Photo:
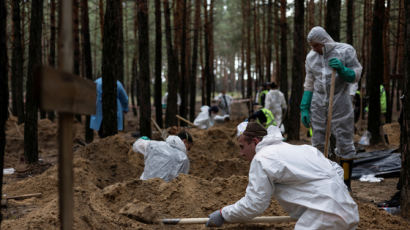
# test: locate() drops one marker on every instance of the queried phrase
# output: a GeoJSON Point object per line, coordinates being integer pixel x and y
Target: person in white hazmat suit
{"type": "Point", "coordinates": [325, 56]}
{"type": "Point", "coordinates": [305, 183]}
{"type": "Point", "coordinates": [205, 118]}
{"type": "Point", "coordinates": [224, 103]}
{"type": "Point", "coordinates": [164, 159]}
{"type": "Point", "coordinates": [276, 103]}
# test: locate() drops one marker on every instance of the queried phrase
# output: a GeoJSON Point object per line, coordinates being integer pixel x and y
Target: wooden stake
{"type": "Point", "coordinates": [329, 113]}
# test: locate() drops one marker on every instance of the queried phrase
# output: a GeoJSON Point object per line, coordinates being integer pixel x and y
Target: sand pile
{"type": "Point", "coordinates": [109, 195]}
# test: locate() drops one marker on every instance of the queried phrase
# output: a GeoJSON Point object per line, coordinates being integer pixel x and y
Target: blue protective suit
{"type": "Point", "coordinates": [122, 106]}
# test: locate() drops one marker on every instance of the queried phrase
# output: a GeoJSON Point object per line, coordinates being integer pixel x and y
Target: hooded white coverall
{"type": "Point", "coordinates": [163, 159]}
{"type": "Point", "coordinates": [224, 103]}
{"type": "Point", "coordinates": [305, 183]}
{"type": "Point", "coordinates": [275, 102]}
{"type": "Point", "coordinates": [204, 120]}
{"type": "Point", "coordinates": [318, 79]}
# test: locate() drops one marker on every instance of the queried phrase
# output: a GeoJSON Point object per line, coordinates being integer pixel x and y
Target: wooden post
{"type": "Point", "coordinates": [329, 113]}
{"type": "Point", "coordinates": [68, 94]}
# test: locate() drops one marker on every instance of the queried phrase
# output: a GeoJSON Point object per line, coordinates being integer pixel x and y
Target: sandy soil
{"type": "Point", "coordinates": [109, 195]}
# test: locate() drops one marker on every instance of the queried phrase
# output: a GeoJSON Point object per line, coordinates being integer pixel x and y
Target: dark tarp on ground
{"type": "Point", "coordinates": [380, 163]}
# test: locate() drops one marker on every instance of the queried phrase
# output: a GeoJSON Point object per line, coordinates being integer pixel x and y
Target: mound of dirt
{"type": "Point", "coordinates": [109, 195]}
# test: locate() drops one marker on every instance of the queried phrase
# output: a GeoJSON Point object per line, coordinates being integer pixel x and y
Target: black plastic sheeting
{"type": "Point", "coordinates": [385, 163]}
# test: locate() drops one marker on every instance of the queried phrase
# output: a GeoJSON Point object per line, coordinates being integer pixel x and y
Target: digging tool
{"type": "Point", "coordinates": [261, 219]}
{"type": "Point", "coordinates": [185, 120]}
{"type": "Point", "coordinates": [163, 132]}
{"type": "Point", "coordinates": [68, 94]}
{"type": "Point", "coordinates": [19, 197]}
{"type": "Point", "coordinates": [329, 113]}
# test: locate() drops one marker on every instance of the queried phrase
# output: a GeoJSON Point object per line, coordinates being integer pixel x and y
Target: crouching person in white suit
{"type": "Point", "coordinates": [164, 159]}
{"type": "Point", "coordinates": [305, 183]}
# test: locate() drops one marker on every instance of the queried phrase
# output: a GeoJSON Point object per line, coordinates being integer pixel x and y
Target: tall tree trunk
{"type": "Point", "coordinates": [17, 65]}
{"type": "Point", "coordinates": [101, 15]}
{"type": "Point", "coordinates": [332, 23]}
{"type": "Point", "coordinates": [158, 64]}
{"type": "Point", "coordinates": [256, 35]}
{"type": "Point", "coordinates": [311, 14]}
{"type": "Point", "coordinates": [276, 40]}
{"type": "Point", "coordinates": [76, 42]}
{"type": "Point", "coordinates": [171, 112]}
{"type": "Point", "coordinates": [4, 89]}
{"type": "Point", "coordinates": [30, 125]}
{"type": "Point", "coordinates": [269, 25]}
{"type": "Point", "coordinates": [52, 55]}
{"type": "Point", "coordinates": [297, 71]}
{"type": "Point", "coordinates": [194, 60]}
{"type": "Point", "coordinates": [120, 42]}
{"type": "Point", "coordinates": [111, 66]}
{"type": "Point", "coordinates": [183, 78]}
{"type": "Point", "coordinates": [85, 32]}
{"type": "Point", "coordinates": [248, 51]}
{"type": "Point", "coordinates": [320, 12]}
{"type": "Point", "coordinates": [376, 72]}
{"type": "Point", "coordinates": [207, 70]}
{"type": "Point", "coordinates": [144, 76]}
{"type": "Point", "coordinates": [350, 20]}
{"type": "Point", "coordinates": [211, 50]}
{"type": "Point", "coordinates": [405, 127]}
{"type": "Point", "coordinates": [386, 53]}
{"type": "Point", "coordinates": [243, 41]}
{"type": "Point", "coordinates": [284, 51]}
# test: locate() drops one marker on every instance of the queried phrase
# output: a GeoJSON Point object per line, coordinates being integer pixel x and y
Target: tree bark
{"type": "Point", "coordinates": [171, 112]}
{"type": "Point", "coordinates": [332, 23]}
{"type": "Point", "coordinates": [297, 71]}
{"type": "Point", "coordinates": [158, 64]}
{"type": "Point", "coordinates": [376, 72]}
{"type": "Point", "coordinates": [144, 76]}
{"type": "Point", "coordinates": [110, 66]}
{"type": "Point", "coordinates": [30, 126]}
{"type": "Point", "coordinates": [52, 54]}
{"type": "Point", "coordinates": [76, 42]}
{"type": "Point", "coordinates": [4, 90]}
{"type": "Point", "coordinates": [256, 35]}
{"type": "Point", "coordinates": [386, 53]}
{"type": "Point", "coordinates": [248, 51]}
{"type": "Point", "coordinates": [183, 79]}
{"type": "Point", "coordinates": [405, 126]}
{"type": "Point", "coordinates": [17, 65]}
{"type": "Point", "coordinates": [207, 70]}
{"type": "Point", "coordinates": [88, 66]}
{"type": "Point", "coordinates": [101, 15]}
{"type": "Point", "coordinates": [276, 41]}
{"type": "Point", "coordinates": [350, 21]}
{"type": "Point", "coordinates": [269, 26]}
{"type": "Point", "coordinates": [194, 60]}
{"type": "Point", "coordinates": [284, 51]}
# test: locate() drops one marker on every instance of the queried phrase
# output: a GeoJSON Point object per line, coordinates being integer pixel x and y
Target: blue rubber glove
{"type": "Point", "coordinates": [215, 219]}
{"type": "Point", "coordinates": [347, 74]}
{"type": "Point", "coordinates": [145, 138]}
{"type": "Point", "coordinates": [305, 107]}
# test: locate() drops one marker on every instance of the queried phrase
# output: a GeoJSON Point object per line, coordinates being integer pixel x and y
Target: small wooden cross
{"type": "Point", "coordinates": [67, 94]}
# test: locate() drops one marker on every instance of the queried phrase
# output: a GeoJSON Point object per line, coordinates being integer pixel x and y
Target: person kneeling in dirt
{"type": "Point", "coordinates": [205, 118]}
{"type": "Point", "coordinates": [305, 183]}
{"type": "Point", "coordinates": [164, 159]}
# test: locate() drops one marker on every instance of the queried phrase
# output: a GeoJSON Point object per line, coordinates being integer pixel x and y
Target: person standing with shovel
{"type": "Point", "coordinates": [305, 183]}
{"type": "Point", "coordinates": [325, 57]}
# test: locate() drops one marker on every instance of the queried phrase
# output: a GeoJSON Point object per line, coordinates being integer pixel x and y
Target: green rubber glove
{"type": "Point", "coordinates": [305, 107]}
{"type": "Point", "coordinates": [145, 138]}
{"type": "Point", "coordinates": [347, 74]}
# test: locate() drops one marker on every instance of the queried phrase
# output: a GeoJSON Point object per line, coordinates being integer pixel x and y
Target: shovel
{"type": "Point", "coordinates": [261, 219]}
{"type": "Point", "coordinates": [329, 113]}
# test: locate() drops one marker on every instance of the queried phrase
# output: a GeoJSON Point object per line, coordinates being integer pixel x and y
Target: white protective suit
{"type": "Point", "coordinates": [204, 120]}
{"type": "Point", "coordinates": [305, 183]}
{"type": "Point", "coordinates": [164, 160]}
{"type": "Point", "coordinates": [276, 103]}
{"type": "Point", "coordinates": [224, 103]}
{"type": "Point", "coordinates": [318, 79]}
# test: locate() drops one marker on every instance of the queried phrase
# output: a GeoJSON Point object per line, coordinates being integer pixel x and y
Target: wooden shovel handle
{"type": "Point", "coordinates": [261, 219]}
{"type": "Point", "coordinates": [329, 113]}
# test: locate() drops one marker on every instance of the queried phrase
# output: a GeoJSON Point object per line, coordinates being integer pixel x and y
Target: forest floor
{"type": "Point", "coordinates": [109, 195]}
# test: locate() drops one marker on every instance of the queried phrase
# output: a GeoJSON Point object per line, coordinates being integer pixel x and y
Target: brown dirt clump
{"type": "Point", "coordinates": [109, 195]}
